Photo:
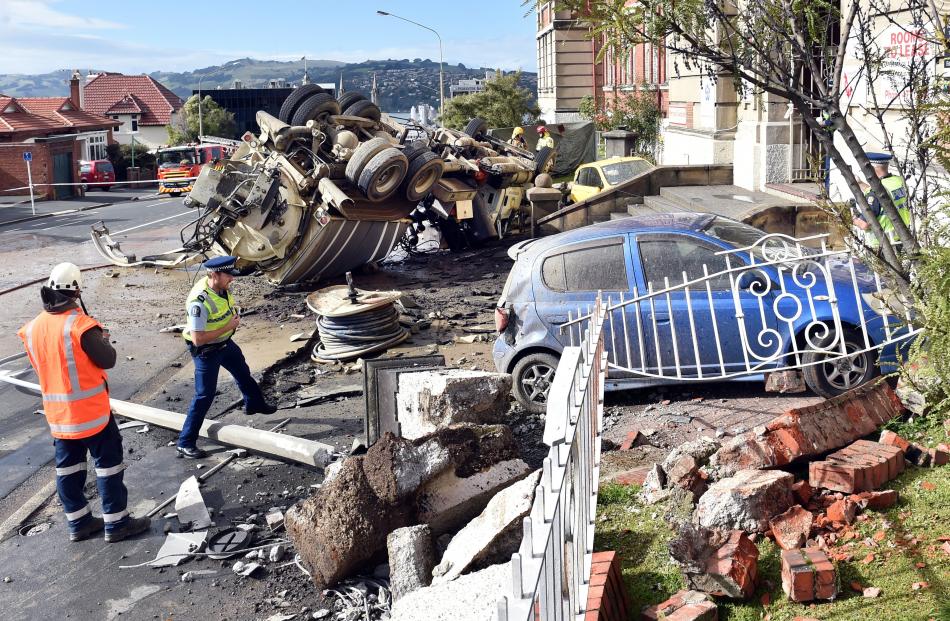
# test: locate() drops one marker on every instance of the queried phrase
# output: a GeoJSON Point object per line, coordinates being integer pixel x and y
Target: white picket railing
{"type": "Point", "coordinates": [551, 570]}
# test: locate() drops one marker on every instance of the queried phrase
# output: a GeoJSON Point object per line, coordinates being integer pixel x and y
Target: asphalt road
{"type": "Point", "coordinates": [27, 252]}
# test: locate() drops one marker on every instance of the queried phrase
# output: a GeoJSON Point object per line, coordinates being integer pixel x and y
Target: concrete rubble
{"type": "Point", "coordinates": [746, 501]}
{"type": "Point", "coordinates": [494, 535]}
{"type": "Point", "coordinates": [723, 563]}
{"type": "Point", "coordinates": [471, 597]}
{"type": "Point", "coordinates": [429, 400]}
{"type": "Point", "coordinates": [684, 467]}
{"type": "Point", "coordinates": [683, 606]}
{"type": "Point", "coordinates": [411, 559]}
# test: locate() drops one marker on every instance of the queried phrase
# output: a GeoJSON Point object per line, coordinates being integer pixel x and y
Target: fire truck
{"type": "Point", "coordinates": [179, 166]}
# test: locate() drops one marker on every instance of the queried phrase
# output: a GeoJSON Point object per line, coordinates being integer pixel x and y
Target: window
{"type": "Point", "coordinates": [590, 177]}
{"type": "Point", "coordinates": [624, 171]}
{"type": "Point", "coordinates": [597, 268]}
{"type": "Point", "coordinates": [675, 254]}
{"type": "Point", "coordinates": [135, 125]}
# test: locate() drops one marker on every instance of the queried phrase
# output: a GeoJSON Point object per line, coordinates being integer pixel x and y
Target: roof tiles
{"type": "Point", "coordinates": [106, 91]}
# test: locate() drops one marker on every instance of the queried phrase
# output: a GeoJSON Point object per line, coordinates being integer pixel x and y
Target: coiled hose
{"type": "Point", "coordinates": [348, 337]}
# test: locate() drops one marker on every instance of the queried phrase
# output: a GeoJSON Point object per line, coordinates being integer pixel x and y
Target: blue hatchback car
{"type": "Point", "coordinates": [696, 298]}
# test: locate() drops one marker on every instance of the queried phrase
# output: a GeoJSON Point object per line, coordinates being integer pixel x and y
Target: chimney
{"type": "Point", "coordinates": [74, 93]}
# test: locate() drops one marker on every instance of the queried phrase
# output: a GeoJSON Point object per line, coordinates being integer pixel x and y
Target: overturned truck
{"type": "Point", "coordinates": [330, 185]}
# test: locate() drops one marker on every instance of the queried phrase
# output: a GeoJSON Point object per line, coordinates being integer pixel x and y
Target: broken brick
{"type": "Point", "coordinates": [884, 499]}
{"type": "Point", "coordinates": [808, 575]}
{"type": "Point", "coordinates": [683, 606]}
{"type": "Point", "coordinates": [802, 491]}
{"type": "Point", "coordinates": [634, 476]}
{"type": "Point", "coordinates": [844, 511]}
{"type": "Point", "coordinates": [938, 457]}
{"type": "Point", "coordinates": [630, 440]}
{"type": "Point", "coordinates": [734, 567]}
{"type": "Point", "coordinates": [892, 439]}
{"type": "Point", "coordinates": [791, 529]}
{"type": "Point", "coordinates": [860, 466]}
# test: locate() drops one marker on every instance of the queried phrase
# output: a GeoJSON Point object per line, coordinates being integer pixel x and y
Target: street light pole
{"type": "Point", "coordinates": [441, 66]}
{"type": "Point", "coordinates": [201, 129]}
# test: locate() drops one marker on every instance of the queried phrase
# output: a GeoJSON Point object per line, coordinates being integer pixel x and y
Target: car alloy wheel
{"type": "Point", "coordinates": [536, 382]}
{"type": "Point", "coordinates": [846, 373]}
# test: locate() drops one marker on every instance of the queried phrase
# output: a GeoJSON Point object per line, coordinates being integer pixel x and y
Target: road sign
{"type": "Point", "coordinates": [27, 156]}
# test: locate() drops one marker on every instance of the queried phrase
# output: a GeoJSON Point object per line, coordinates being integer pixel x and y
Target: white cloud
{"type": "Point", "coordinates": [38, 14]}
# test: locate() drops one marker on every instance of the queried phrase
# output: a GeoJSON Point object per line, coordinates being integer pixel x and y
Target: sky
{"type": "Point", "coordinates": [38, 36]}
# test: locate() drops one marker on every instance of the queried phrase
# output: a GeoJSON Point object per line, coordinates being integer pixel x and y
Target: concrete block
{"type": "Point", "coordinates": [449, 501]}
{"type": "Point", "coordinates": [495, 534]}
{"type": "Point", "coordinates": [746, 501]}
{"type": "Point", "coordinates": [411, 559]}
{"type": "Point", "coordinates": [430, 400]}
{"type": "Point", "coordinates": [472, 597]}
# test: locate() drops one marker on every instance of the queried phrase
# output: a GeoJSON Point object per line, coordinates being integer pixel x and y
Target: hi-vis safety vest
{"type": "Point", "coordinates": [75, 397]}
{"type": "Point", "coordinates": [894, 184]}
{"type": "Point", "coordinates": [545, 141]}
{"type": "Point", "coordinates": [220, 309]}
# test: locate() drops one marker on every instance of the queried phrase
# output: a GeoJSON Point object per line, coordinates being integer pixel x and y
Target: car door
{"type": "Point", "coordinates": [568, 278]}
{"type": "Point", "coordinates": [722, 325]}
{"type": "Point", "coordinates": [587, 184]}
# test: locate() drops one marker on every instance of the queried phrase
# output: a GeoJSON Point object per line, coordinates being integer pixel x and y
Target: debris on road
{"type": "Point", "coordinates": [190, 506]}
{"type": "Point", "coordinates": [178, 548]}
{"type": "Point", "coordinates": [411, 559]}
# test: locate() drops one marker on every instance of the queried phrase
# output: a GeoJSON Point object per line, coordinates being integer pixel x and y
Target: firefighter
{"type": "Point", "coordinates": [896, 188]}
{"type": "Point", "coordinates": [212, 320]}
{"type": "Point", "coordinates": [517, 138]}
{"type": "Point", "coordinates": [545, 139]}
{"type": "Point", "coordinates": [70, 352]}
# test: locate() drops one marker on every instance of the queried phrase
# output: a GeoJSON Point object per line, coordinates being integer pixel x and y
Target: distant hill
{"type": "Point", "coordinates": [400, 83]}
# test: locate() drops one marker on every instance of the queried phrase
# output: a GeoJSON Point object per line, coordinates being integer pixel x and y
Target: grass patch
{"type": "Point", "coordinates": [908, 553]}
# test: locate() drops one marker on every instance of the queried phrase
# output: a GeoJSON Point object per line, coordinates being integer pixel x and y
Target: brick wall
{"type": "Point", "coordinates": [13, 168]}
{"type": "Point", "coordinates": [607, 598]}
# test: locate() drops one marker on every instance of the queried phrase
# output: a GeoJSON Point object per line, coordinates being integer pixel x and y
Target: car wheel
{"type": "Point", "coordinates": [828, 375]}
{"type": "Point", "coordinates": [532, 378]}
{"type": "Point", "coordinates": [294, 100]}
{"type": "Point", "coordinates": [84, 186]}
{"type": "Point", "coordinates": [425, 169]}
{"type": "Point", "coordinates": [317, 107]}
{"type": "Point", "coordinates": [349, 98]}
{"type": "Point", "coordinates": [362, 155]}
{"type": "Point", "coordinates": [365, 109]}
{"type": "Point", "coordinates": [382, 175]}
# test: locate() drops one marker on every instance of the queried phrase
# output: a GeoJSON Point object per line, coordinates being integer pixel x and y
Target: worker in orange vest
{"type": "Point", "coordinates": [70, 352]}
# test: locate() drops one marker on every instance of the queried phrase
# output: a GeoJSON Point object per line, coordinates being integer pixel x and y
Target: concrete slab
{"type": "Point", "coordinates": [726, 200]}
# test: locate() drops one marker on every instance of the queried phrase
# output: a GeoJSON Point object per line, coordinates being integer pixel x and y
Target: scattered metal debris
{"type": "Point", "coordinates": [178, 548]}
{"type": "Point", "coordinates": [245, 569]}
{"type": "Point", "coordinates": [357, 601]}
{"type": "Point", "coordinates": [190, 506]}
{"type": "Point", "coordinates": [229, 542]}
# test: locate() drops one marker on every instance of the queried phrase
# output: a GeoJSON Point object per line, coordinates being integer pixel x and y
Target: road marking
{"type": "Point", "coordinates": [177, 215]}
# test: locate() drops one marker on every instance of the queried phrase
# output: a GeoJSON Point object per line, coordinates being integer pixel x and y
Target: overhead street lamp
{"type": "Point", "coordinates": [441, 70]}
{"type": "Point", "coordinates": [201, 128]}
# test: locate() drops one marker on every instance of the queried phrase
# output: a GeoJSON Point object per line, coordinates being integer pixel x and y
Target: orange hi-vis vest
{"type": "Point", "coordinates": [75, 397]}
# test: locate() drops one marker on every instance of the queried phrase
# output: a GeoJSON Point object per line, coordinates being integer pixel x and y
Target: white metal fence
{"type": "Point", "coordinates": [551, 570]}
{"type": "Point", "coordinates": [774, 305]}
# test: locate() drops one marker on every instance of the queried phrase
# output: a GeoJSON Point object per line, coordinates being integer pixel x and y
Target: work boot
{"type": "Point", "coordinates": [264, 408]}
{"type": "Point", "coordinates": [88, 528]}
{"type": "Point", "coordinates": [133, 526]}
{"type": "Point", "coordinates": [191, 452]}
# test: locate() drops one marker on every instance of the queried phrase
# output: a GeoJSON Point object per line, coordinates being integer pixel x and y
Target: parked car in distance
{"type": "Point", "coordinates": [720, 315]}
{"type": "Point", "coordinates": [96, 172]}
{"type": "Point", "coordinates": [594, 178]}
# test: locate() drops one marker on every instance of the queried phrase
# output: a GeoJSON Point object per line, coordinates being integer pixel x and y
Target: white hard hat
{"type": "Point", "coordinates": [65, 276]}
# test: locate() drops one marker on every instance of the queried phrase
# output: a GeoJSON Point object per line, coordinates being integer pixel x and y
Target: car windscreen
{"type": "Point", "coordinates": [84, 168]}
{"type": "Point", "coordinates": [105, 167]}
{"type": "Point", "coordinates": [740, 235]}
{"type": "Point", "coordinates": [623, 171]}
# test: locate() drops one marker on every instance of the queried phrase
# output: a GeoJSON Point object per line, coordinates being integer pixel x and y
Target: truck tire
{"type": "Point", "coordinates": [318, 106]}
{"type": "Point", "coordinates": [413, 149]}
{"type": "Point", "coordinates": [294, 100]}
{"type": "Point", "coordinates": [382, 175]}
{"type": "Point", "coordinates": [363, 154]}
{"type": "Point", "coordinates": [366, 109]}
{"type": "Point", "coordinates": [543, 160]}
{"type": "Point", "coordinates": [476, 127]}
{"type": "Point", "coordinates": [349, 98]}
{"type": "Point", "coordinates": [425, 169]}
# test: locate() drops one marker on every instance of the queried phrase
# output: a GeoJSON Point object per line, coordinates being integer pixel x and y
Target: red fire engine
{"type": "Point", "coordinates": [178, 166]}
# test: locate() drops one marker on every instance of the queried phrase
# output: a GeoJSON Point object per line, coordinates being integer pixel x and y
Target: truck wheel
{"type": "Point", "coordinates": [382, 175]}
{"type": "Point", "coordinates": [543, 160]}
{"type": "Point", "coordinates": [476, 128]}
{"type": "Point", "coordinates": [413, 149]}
{"type": "Point", "coordinates": [365, 109]}
{"type": "Point", "coordinates": [363, 154]}
{"type": "Point", "coordinates": [425, 169]}
{"type": "Point", "coordinates": [531, 380]}
{"type": "Point", "coordinates": [317, 107]}
{"type": "Point", "coordinates": [294, 100]}
{"type": "Point", "coordinates": [349, 98]}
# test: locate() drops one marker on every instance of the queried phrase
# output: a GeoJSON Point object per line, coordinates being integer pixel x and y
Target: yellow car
{"type": "Point", "coordinates": [594, 178]}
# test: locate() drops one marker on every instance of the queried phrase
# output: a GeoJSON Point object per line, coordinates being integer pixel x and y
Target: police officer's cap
{"type": "Point", "coordinates": [879, 158]}
{"type": "Point", "coordinates": [228, 265]}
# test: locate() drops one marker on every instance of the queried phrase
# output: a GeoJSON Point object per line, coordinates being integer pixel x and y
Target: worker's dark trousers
{"type": "Point", "coordinates": [106, 450]}
{"type": "Point", "coordinates": [208, 360]}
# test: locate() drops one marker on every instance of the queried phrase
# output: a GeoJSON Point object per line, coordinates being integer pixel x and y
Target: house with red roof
{"type": "Point", "coordinates": [56, 133]}
{"type": "Point", "coordinates": [142, 106]}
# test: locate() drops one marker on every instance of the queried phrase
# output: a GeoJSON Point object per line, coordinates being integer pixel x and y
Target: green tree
{"type": "Point", "coordinates": [215, 121]}
{"type": "Point", "coordinates": [503, 103]}
{"type": "Point", "coordinates": [121, 156]}
{"type": "Point", "coordinates": [636, 111]}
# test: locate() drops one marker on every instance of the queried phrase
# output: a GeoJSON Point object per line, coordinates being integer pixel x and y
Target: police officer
{"type": "Point", "coordinates": [545, 139]}
{"type": "Point", "coordinates": [895, 186]}
{"type": "Point", "coordinates": [212, 320]}
{"type": "Point", "coordinates": [71, 352]}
